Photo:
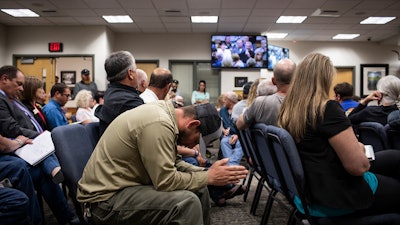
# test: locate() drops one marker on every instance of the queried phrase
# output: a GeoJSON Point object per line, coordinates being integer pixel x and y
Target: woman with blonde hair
{"type": "Point", "coordinates": [340, 179]}
{"type": "Point", "coordinates": [252, 92]}
{"type": "Point", "coordinates": [84, 101]}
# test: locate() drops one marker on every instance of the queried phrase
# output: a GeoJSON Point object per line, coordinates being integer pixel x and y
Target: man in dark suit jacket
{"type": "Point", "coordinates": [14, 121]}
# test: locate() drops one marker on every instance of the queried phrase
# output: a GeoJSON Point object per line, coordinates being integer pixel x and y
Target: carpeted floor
{"type": "Point", "coordinates": [236, 212]}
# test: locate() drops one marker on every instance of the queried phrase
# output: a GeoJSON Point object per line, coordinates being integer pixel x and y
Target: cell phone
{"type": "Point", "coordinates": [369, 152]}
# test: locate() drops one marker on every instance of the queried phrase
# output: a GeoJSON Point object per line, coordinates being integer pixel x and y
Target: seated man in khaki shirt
{"type": "Point", "coordinates": [135, 177]}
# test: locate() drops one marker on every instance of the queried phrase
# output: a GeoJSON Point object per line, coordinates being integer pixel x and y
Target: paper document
{"type": "Point", "coordinates": [41, 148]}
{"type": "Point", "coordinates": [369, 152]}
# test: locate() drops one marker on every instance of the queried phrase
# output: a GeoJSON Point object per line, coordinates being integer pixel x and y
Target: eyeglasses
{"type": "Point", "coordinates": [67, 95]}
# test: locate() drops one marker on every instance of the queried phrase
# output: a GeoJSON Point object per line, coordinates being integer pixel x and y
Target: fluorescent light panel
{"type": "Point", "coordinates": [20, 12]}
{"type": "Point", "coordinates": [275, 35]}
{"type": "Point", "coordinates": [204, 19]}
{"type": "Point", "coordinates": [377, 20]}
{"type": "Point", "coordinates": [291, 19]}
{"type": "Point", "coordinates": [345, 36]}
{"type": "Point", "coordinates": [118, 19]}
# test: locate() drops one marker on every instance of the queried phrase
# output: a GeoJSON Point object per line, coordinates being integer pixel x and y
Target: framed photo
{"type": "Point", "coordinates": [240, 81]}
{"type": "Point", "coordinates": [68, 77]}
{"type": "Point", "coordinates": [370, 75]}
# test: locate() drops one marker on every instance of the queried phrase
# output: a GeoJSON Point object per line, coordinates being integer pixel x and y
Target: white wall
{"type": "Point", "coordinates": [347, 54]}
{"type": "Point", "coordinates": [163, 47]}
{"type": "Point", "coordinates": [2, 44]}
{"type": "Point", "coordinates": [77, 40]}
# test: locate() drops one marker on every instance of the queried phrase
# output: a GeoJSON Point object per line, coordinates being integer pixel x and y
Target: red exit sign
{"type": "Point", "coordinates": [55, 47]}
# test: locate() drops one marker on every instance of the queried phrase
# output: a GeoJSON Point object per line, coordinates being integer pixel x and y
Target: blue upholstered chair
{"type": "Point", "coordinates": [291, 176]}
{"type": "Point", "coordinates": [74, 145]}
{"type": "Point", "coordinates": [373, 133]}
{"type": "Point", "coordinates": [254, 168]}
{"type": "Point", "coordinates": [261, 154]}
{"type": "Point", "coordinates": [393, 136]}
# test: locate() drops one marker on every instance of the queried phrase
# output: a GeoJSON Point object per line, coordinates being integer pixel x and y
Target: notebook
{"type": "Point", "coordinates": [41, 148]}
{"type": "Point", "coordinates": [369, 152]}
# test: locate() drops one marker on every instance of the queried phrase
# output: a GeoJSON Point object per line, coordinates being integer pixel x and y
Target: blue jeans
{"type": "Point", "coordinates": [14, 207]}
{"type": "Point", "coordinates": [234, 153]}
{"type": "Point", "coordinates": [51, 193]}
{"type": "Point", "coordinates": [16, 170]}
{"type": "Point", "coordinates": [49, 163]}
{"type": "Point", "coordinates": [193, 161]}
{"type": "Point", "coordinates": [216, 192]}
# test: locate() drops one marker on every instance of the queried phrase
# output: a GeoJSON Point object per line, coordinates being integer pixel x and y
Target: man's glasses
{"type": "Point", "coordinates": [67, 95]}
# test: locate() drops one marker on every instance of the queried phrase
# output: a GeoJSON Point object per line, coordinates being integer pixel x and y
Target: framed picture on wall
{"type": "Point", "coordinates": [370, 75]}
{"type": "Point", "coordinates": [240, 81]}
{"type": "Point", "coordinates": [68, 77]}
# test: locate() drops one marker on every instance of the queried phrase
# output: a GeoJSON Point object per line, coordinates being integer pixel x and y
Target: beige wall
{"type": "Point", "coordinates": [2, 45]}
{"type": "Point", "coordinates": [100, 42]}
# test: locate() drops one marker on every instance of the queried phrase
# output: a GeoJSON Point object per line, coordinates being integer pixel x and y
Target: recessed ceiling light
{"type": "Point", "coordinates": [345, 36]}
{"type": "Point", "coordinates": [204, 19]}
{"type": "Point", "coordinates": [118, 19]}
{"type": "Point", "coordinates": [20, 12]}
{"type": "Point", "coordinates": [275, 35]}
{"type": "Point", "coordinates": [377, 20]}
{"type": "Point", "coordinates": [291, 19]}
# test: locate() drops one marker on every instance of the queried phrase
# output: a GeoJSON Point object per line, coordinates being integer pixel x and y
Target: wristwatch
{"type": "Point", "coordinates": [20, 142]}
{"type": "Point", "coordinates": [196, 153]}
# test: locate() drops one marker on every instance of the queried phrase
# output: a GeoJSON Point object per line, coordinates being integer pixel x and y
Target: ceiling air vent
{"type": "Point", "coordinates": [326, 13]}
{"type": "Point", "coordinates": [171, 13]}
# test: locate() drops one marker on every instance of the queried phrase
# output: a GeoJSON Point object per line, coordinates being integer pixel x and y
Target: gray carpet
{"type": "Point", "coordinates": [236, 212]}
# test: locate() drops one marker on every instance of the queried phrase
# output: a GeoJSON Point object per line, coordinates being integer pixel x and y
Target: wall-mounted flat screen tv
{"type": "Point", "coordinates": [239, 51]}
{"type": "Point", "coordinates": [276, 53]}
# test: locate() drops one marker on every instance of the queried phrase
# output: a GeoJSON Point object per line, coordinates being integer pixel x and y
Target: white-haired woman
{"type": "Point", "coordinates": [387, 95]}
{"type": "Point", "coordinates": [85, 102]}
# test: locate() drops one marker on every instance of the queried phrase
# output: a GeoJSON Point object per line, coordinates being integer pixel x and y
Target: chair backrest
{"type": "Point", "coordinates": [393, 137]}
{"type": "Point", "coordinates": [292, 177]}
{"type": "Point", "coordinates": [264, 155]}
{"type": "Point", "coordinates": [373, 133]}
{"type": "Point", "coordinates": [288, 161]}
{"type": "Point", "coordinates": [73, 147]}
{"type": "Point", "coordinates": [93, 131]}
{"type": "Point", "coordinates": [245, 143]}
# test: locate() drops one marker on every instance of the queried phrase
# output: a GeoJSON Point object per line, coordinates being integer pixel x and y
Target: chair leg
{"type": "Point", "coordinates": [248, 185]}
{"type": "Point", "coordinates": [257, 196]}
{"type": "Point", "coordinates": [268, 207]}
{"type": "Point", "coordinates": [292, 217]}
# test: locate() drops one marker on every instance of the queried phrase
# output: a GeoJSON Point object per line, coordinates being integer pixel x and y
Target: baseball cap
{"type": "Point", "coordinates": [85, 72]}
{"type": "Point", "coordinates": [210, 127]}
{"type": "Point", "coordinates": [246, 87]}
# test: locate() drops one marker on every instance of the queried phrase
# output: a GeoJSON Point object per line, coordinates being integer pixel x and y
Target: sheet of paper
{"type": "Point", "coordinates": [41, 148]}
{"type": "Point", "coordinates": [369, 152]}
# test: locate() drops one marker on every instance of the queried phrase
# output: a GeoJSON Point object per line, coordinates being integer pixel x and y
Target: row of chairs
{"type": "Point", "coordinates": [379, 136]}
{"type": "Point", "coordinates": [274, 155]}
{"type": "Point", "coordinates": [74, 145]}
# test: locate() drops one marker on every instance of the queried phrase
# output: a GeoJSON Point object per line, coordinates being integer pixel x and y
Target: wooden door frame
{"type": "Point", "coordinates": [15, 56]}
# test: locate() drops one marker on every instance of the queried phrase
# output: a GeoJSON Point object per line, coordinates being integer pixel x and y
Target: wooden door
{"type": "Point", "coordinates": [343, 74]}
{"type": "Point", "coordinates": [148, 67]}
{"type": "Point", "coordinates": [42, 68]}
